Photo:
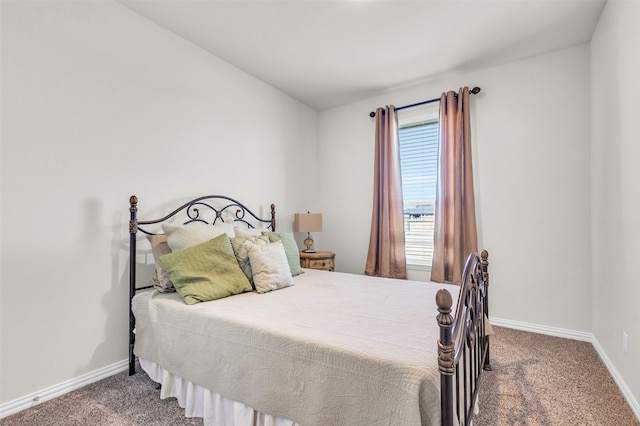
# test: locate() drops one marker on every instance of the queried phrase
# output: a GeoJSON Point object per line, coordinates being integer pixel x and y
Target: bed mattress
{"type": "Point", "coordinates": [334, 349]}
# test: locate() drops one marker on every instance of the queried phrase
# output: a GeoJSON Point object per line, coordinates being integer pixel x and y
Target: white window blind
{"type": "Point", "coordinates": [419, 169]}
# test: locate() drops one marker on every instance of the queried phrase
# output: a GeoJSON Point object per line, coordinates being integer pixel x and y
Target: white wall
{"type": "Point", "coordinates": [531, 146]}
{"type": "Point", "coordinates": [98, 103]}
{"type": "Point", "coordinates": [615, 127]}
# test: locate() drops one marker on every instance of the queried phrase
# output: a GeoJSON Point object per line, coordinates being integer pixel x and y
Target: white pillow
{"type": "Point", "coordinates": [241, 247]}
{"type": "Point", "coordinates": [183, 236]}
{"type": "Point", "coordinates": [245, 232]}
{"type": "Point", "coordinates": [270, 267]}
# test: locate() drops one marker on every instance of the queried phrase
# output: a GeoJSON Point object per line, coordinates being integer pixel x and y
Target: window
{"type": "Point", "coordinates": [419, 168]}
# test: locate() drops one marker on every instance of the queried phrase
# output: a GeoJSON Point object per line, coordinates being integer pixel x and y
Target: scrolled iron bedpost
{"type": "Point", "coordinates": [133, 229]}
{"type": "Point", "coordinates": [273, 218]}
{"type": "Point", "coordinates": [485, 276]}
{"type": "Point", "coordinates": [445, 356]}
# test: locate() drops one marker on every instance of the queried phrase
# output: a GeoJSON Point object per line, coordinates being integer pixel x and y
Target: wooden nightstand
{"type": "Point", "coordinates": [318, 260]}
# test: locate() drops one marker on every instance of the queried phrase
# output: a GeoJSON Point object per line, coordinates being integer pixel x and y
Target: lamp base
{"type": "Point", "coordinates": [309, 243]}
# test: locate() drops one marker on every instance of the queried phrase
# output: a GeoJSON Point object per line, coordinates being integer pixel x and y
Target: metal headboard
{"type": "Point", "coordinates": [195, 210]}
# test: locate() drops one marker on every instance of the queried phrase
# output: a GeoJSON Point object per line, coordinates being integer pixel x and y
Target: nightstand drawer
{"type": "Point", "coordinates": [321, 264]}
{"type": "Point", "coordinates": [318, 260]}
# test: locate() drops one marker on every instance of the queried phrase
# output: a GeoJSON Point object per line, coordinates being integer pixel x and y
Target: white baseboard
{"type": "Point", "coordinates": [543, 329]}
{"type": "Point", "coordinates": [576, 335]}
{"type": "Point", "coordinates": [54, 391]}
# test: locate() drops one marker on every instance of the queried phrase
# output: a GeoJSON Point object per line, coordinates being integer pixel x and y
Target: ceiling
{"type": "Point", "coordinates": [327, 53]}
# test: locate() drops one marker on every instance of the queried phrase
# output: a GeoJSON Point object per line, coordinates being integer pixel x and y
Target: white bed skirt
{"type": "Point", "coordinates": [198, 401]}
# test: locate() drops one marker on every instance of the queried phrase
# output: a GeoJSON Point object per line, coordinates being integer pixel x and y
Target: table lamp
{"type": "Point", "coordinates": [307, 222]}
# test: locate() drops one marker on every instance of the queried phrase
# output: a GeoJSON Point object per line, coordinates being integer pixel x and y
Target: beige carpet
{"type": "Point", "coordinates": [544, 380]}
{"type": "Point", "coordinates": [119, 400]}
{"type": "Point", "coordinates": [536, 380]}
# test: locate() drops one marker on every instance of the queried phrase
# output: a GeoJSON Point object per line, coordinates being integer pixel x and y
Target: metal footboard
{"type": "Point", "coordinates": [463, 347]}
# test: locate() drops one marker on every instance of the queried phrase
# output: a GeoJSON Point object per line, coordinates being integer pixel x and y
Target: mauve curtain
{"type": "Point", "coordinates": [386, 243]}
{"type": "Point", "coordinates": [455, 234]}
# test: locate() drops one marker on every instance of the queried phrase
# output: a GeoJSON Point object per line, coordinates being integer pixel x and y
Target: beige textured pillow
{"type": "Point", "coordinates": [241, 247]}
{"type": "Point", "coordinates": [270, 267]}
{"type": "Point", "coordinates": [180, 237]}
{"type": "Point", "coordinates": [161, 278]}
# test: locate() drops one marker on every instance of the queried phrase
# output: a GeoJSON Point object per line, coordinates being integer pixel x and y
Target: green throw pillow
{"type": "Point", "coordinates": [206, 271]}
{"type": "Point", "coordinates": [290, 249]}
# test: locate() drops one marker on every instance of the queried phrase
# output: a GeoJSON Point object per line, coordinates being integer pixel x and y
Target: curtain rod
{"type": "Point", "coordinates": [473, 91]}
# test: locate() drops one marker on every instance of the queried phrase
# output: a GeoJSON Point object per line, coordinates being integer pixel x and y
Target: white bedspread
{"type": "Point", "coordinates": [335, 349]}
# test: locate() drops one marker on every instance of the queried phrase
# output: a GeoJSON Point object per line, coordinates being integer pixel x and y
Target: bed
{"type": "Point", "coordinates": [318, 348]}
